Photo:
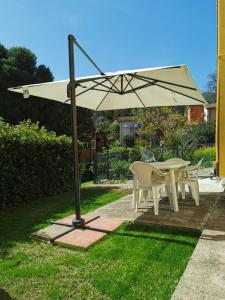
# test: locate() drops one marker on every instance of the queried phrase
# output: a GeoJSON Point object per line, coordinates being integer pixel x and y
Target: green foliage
{"type": "Point", "coordinates": [207, 153]}
{"type": "Point", "coordinates": [186, 140]}
{"type": "Point", "coordinates": [118, 267]}
{"type": "Point", "coordinates": [210, 93]}
{"type": "Point", "coordinates": [18, 67]}
{"type": "Point", "coordinates": [43, 74]}
{"type": "Point", "coordinates": [129, 153]}
{"type": "Point", "coordinates": [86, 173]}
{"type": "Point", "coordinates": [117, 160]}
{"type": "Point", "coordinates": [33, 162]}
{"type": "Point", "coordinates": [128, 140]}
{"type": "Point", "coordinates": [157, 124]}
{"type": "Point", "coordinates": [167, 154]}
{"type": "Point", "coordinates": [120, 169]}
{"type": "Point", "coordinates": [113, 134]}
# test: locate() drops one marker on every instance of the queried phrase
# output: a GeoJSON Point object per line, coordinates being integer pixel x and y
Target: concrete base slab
{"type": "Point", "coordinates": [82, 237]}
{"type": "Point", "coordinates": [48, 233]}
{"type": "Point", "coordinates": [69, 219]}
{"type": "Point", "coordinates": [105, 224]}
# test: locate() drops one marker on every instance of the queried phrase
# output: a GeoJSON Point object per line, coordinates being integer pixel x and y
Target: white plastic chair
{"type": "Point", "coordinates": [184, 178]}
{"type": "Point", "coordinates": [147, 178]}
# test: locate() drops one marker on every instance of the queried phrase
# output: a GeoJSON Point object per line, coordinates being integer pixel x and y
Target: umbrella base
{"type": "Point", "coordinates": [63, 233]}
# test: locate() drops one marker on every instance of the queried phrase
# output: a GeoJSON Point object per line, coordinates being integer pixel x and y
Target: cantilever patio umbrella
{"type": "Point", "coordinates": [165, 86]}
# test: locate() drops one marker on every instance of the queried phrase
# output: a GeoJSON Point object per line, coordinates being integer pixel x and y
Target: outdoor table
{"type": "Point", "coordinates": [171, 167]}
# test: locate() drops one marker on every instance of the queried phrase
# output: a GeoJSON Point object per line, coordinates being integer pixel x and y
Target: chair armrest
{"type": "Point", "coordinates": [191, 168]}
{"type": "Point", "coordinates": [159, 172]}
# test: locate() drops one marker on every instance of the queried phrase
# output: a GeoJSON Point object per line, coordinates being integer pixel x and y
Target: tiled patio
{"type": "Point", "coordinates": [188, 217]}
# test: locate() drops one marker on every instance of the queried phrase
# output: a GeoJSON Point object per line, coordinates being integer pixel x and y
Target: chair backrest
{"type": "Point", "coordinates": [193, 169]}
{"type": "Point", "coordinates": [143, 173]}
{"type": "Point", "coordinates": [198, 165]}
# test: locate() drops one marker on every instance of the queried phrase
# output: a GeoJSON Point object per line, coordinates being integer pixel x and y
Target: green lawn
{"type": "Point", "coordinates": [135, 262]}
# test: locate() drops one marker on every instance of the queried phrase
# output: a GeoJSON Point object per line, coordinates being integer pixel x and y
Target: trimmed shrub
{"type": "Point", "coordinates": [167, 154]}
{"type": "Point", "coordinates": [120, 169]}
{"type": "Point", "coordinates": [128, 140]}
{"type": "Point", "coordinates": [34, 163]}
{"type": "Point", "coordinates": [131, 153]}
{"type": "Point", "coordinates": [207, 153]}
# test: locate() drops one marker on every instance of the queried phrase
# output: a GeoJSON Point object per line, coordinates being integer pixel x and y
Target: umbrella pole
{"type": "Point", "coordinates": [71, 93]}
{"type": "Point", "coordinates": [77, 221]}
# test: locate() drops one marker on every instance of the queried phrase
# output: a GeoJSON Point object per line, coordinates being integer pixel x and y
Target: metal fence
{"type": "Point", "coordinates": [115, 166]}
{"type": "Point", "coordinates": [111, 166]}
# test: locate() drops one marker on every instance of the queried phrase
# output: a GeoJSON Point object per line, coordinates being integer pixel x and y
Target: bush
{"type": "Point", "coordinates": [120, 169]}
{"type": "Point", "coordinates": [207, 153]}
{"type": "Point", "coordinates": [34, 163]}
{"type": "Point", "coordinates": [112, 160]}
{"type": "Point", "coordinates": [128, 140]}
{"type": "Point", "coordinates": [167, 154]}
{"type": "Point", "coordinates": [86, 173]}
{"type": "Point", "coordinates": [129, 153]}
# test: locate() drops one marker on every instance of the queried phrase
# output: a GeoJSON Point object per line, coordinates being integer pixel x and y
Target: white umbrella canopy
{"type": "Point", "coordinates": [152, 87]}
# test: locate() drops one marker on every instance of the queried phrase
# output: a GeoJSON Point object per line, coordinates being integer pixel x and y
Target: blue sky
{"type": "Point", "coordinates": [118, 34]}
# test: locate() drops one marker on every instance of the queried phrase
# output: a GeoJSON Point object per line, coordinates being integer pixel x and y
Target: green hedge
{"type": "Point", "coordinates": [131, 153]}
{"type": "Point", "coordinates": [34, 163]}
{"type": "Point", "coordinates": [207, 153]}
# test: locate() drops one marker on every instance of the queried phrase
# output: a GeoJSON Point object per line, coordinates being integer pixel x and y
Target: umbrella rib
{"type": "Point", "coordinates": [91, 87]}
{"type": "Point", "coordinates": [135, 92]}
{"type": "Point", "coordinates": [106, 94]}
{"type": "Point", "coordinates": [144, 78]}
{"type": "Point", "coordinates": [131, 78]}
{"type": "Point", "coordinates": [113, 84]}
{"type": "Point", "coordinates": [140, 87]}
{"type": "Point", "coordinates": [103, 85]}
{"type": "Point", "coordinates": [101, 90]}
{"type": "Point", "coordinates": [182, 94]}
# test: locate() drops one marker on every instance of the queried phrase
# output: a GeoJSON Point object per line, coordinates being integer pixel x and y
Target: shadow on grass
{"type": "Point", "coordinates": [153, 233]}
{"type": "Point", "coordinates": [17, 224]}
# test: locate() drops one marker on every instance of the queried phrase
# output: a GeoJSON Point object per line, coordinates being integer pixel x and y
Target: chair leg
{"type": "Point", "coordinates": [156, 201]}
{"type": "Point", "coordinates": [136, 206]}
{"type": "Point", "coordinates": [150, 196]}
{"type": "Point", "coordinates": [182, 187]}
{"type": "Point", "coordinates": [140, 196]}
{"type": "Point", "coordinates": [189, 188]}
{"type": "Point", "coordinates": [195, 192]}
{"type": "Point", "coordinates": [145, 196]}
{"type": "Point", "coordinates": [134, 198]}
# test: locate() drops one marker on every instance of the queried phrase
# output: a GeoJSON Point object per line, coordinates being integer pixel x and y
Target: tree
{"type": "Point", "coordinates": [18, 67]}
{"type": "Point", "coordinates": [43, 74]}
{"type": "Point", "coordinates": [210, 93]}
{"type": "Point", "coordinates": [157, 124]}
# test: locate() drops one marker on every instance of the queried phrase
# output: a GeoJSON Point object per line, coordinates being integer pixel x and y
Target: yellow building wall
{"type": "Point", "coordinates": [220, 130]}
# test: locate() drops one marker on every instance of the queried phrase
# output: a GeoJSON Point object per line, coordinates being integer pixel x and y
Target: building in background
{"type": "Point", "coordinates": [128, 127]}
{"type": "Point", "coordinates": [195, 113]}
{"type": "Point", "coordinates": [210, 112]}
{"type": "Point", "coordinates": [202, 113]}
